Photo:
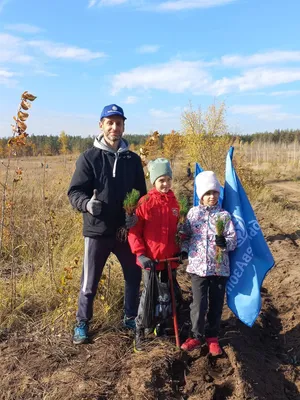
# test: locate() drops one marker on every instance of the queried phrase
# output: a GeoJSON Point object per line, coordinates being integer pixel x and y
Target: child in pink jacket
{"type": "Point", "coordinates": [208, 274]}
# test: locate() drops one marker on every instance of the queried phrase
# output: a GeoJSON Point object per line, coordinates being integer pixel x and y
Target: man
{"type": "Point", "coordinates": [104, 175]}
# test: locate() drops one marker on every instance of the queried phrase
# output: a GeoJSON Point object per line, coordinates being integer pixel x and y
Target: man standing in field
{"type": "Point", "coordinates": [104, 175]}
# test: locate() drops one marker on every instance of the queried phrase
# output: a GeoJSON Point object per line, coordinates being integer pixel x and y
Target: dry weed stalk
{"type": "Point", "coordinates": [18, 139]}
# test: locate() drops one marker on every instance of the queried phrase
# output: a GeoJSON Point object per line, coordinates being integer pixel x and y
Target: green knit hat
{"type": "Point", "coordinates": [159, 167]}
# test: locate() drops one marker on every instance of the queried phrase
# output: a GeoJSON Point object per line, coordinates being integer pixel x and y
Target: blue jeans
{"type": "Point", "coordinates": [96, 252]}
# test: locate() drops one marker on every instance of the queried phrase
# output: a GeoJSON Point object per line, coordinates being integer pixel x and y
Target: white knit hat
{"type": "Point", "coordinates": [206, 181]}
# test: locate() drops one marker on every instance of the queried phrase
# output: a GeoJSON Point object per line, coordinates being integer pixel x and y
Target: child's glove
{"type": "Point", "coordinates": [221, 241]}
{"type": "Point", "coordinates": [94, 206]}
{"type": "Point", "coordinates": [183, 256]}
{"type": "Point", "coordinates": [130, 221]}
{"type": "Point", "coordinates": [146, 262]}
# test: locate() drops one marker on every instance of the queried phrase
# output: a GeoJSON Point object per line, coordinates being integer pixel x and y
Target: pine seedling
{"type": "Point", "coordinates": [183, 208]}
{"type": "Point", "coordinates": [129, 204]}
{"type": "Point", "coordinates": [220, 226]}
{"type": "Point", "coordinates": [131, 201]}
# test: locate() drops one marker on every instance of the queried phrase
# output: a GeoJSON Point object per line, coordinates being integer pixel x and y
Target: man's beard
{"type": "Point", "coordinates": [114, 138]}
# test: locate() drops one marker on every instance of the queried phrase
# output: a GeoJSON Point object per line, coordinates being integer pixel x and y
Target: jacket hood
{"type": "Point", "coordinates": [100, 143]}
{"type": "Point", "coordinates": [216, 207]}
{"type": "Point", "coordinates": [155, 193]}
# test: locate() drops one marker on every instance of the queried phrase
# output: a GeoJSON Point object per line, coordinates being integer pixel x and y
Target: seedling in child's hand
{"type": "Point", "coordinates": [129, 204]}
{"type": "Point", "coordinates": [220, 226]}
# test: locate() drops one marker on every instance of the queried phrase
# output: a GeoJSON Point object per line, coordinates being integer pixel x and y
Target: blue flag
{"type": "Point", "coordinates": [252, 259]}
{"type": "Point", "coordinates": [198, 169]}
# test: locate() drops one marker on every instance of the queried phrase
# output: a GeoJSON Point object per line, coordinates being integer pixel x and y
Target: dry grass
{"type": "Point", "coordinates": [42, 252]}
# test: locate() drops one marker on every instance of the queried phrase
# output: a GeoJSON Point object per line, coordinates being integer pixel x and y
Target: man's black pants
{"type": "Point", "coordinates": [96, 252]}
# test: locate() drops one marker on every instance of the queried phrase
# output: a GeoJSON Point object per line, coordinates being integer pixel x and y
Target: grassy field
{"type": "Point", "coordinates": [42, 243]}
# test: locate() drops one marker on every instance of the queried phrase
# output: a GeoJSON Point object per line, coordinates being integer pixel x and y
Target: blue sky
{"type": "Point", "coordinates": [152, 58]}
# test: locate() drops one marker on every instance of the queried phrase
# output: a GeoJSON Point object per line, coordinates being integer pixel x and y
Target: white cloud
{"type": "Point", "coordinates": [44, 73]}
{"type": "Point", "coordinates": [107, 3]}
{"type": "Point", "coordinates": [92, 3]}
{"type": "Point", "coordinates": [175, 77]}
{"type": "Point", "coordinates": [253, 109]}
{"type": "Point", "coordinates": [62, 51]}
{"type": "Point", "coordinates": [3, 3]}
{"type": "Point", "coordinates": [23, 28]}
{"type": "Point", "coordinates": [255, 79]}
{"type": "Point", "coordinates": [161, 114]}
{"type": "Point", "coordinates": [148, 48]}
{"type": "Point", "coordinates": [176, 5]}
{"type": "Point", "coordinates": [179, 5]}
{"type": "Point", "coordinates": [286, 93]}
{"type": "Point", "coordinates": [6, 78]}
{"type": "Point", "coordinates": [130, 100]}
{"type": "Point", "coordinates": [273, 57]}
{"type": "Point", "coordinates": [267, 112]}
{"type": "Point", "coordinates": [190, 76]}
{"type": "Point", "coordinates": [12, 50]}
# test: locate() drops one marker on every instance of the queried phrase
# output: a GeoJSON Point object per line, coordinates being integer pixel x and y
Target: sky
{"type": "Point", "coordinates": [153, 58]}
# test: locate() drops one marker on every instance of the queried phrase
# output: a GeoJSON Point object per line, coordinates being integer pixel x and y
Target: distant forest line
{"type": "Point", "coordinates": [68, 144]}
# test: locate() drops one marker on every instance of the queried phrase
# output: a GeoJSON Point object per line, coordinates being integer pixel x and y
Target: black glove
{"type": "Point", "coordinates": [183, 256]}
{"type": "Point", "coordinates": [221, 241]}
{"type": "Point", "coordinates": [130, 221]}
{"type": "Point", "coordinates": [146, 262]}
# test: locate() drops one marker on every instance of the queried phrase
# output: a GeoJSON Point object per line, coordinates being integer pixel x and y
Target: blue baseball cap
{"type": "Point", "coordinates": [111, 110]}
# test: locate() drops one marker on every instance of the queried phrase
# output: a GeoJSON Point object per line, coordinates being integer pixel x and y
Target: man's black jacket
{"type": "Point", "coordinates": [113, 174]}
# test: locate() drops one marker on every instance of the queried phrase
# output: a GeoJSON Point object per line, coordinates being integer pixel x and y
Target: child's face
{"type": "Point", "coordinates": [163, 184]}
{"type": "Point", "coordinates": [210, 198]}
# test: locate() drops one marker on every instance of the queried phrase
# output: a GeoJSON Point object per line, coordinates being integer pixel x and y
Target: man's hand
{"type": "Point", "coordinates": [221, 241]}
{"type": "Point", "coordinates": [94, 206]}
{"type": "Point", "coordinates": [146, 262]}
{"type": "Point", "coordinates": [130, 221]}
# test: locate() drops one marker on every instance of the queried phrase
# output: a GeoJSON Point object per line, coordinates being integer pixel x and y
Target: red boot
{"type": "Point", "coordinates": [213, 346]}
{"type": "Point", "coordinates": [191, 344]}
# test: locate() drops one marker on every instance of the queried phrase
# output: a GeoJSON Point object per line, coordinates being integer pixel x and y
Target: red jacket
{"type": "Point", "coordinates": [154, 235]}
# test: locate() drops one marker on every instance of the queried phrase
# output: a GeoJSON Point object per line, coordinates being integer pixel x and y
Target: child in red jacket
{"type": "Point", "coordinates": [154, 235]}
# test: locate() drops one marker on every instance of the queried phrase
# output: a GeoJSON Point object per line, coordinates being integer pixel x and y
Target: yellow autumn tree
{"type": "Point", "coordinates": [63, 143]}
{"type": "Point", "coordinates": [151, 148]}
{"type": "Point", "coordinates": [206, 136]}
{"type": "Point", "coordinates": [172, 146]}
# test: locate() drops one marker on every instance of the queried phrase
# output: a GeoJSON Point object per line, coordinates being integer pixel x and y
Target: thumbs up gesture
{"type": "Point", "coordinates": [94, 206]}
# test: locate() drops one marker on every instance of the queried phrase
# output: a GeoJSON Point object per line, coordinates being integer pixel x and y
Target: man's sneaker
{"type": "Point", "coordinates": [81, 333]}
{"type": "Point", "coordinates": [191, 344]}
{"type": "Point", "coordinates": [129, 322]}
{"type": "Point", "coordinates": [213, 346]}
{"type": "Point", "coordinates": [139, 338]}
